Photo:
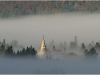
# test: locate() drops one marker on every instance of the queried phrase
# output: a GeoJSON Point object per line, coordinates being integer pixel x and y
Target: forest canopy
{"type": "Point", "coordinates": [20, 8]}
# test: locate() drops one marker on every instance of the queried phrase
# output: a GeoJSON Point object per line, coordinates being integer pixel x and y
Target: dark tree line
{"type": "Point", "coordinates": [92, 51]}
{"type": "Point", "coordinates": [7, 49]}
{"type": "Point", "coordinates": [18, 8]}
{"type": "Point", "coordinates": [28, 51]}
{"type": "Point", "coordinates": [89, 50]}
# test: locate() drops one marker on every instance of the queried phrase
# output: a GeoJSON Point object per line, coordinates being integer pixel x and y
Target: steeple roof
{"type": "Point", "coordinates": [43, 45]}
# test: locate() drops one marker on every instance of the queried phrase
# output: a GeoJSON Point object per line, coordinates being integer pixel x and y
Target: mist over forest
{"type": "Point", "coordinates": [30, 30]}
{"type": "Point", "coordinates": [68, 31]}
{"type": "Point", "coordinates": [57, 28]}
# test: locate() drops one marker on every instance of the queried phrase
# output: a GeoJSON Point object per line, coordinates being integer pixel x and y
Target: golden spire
{"type": "Point", "coordinates": [43, 45]}
{"type": "Point", "coordinates": [43, 37]}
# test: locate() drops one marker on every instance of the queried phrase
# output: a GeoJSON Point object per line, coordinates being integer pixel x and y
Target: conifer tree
{"type": "Point", "coordinates": [83, 47]}
{"type": "Point", "coordinates": [9, 50]}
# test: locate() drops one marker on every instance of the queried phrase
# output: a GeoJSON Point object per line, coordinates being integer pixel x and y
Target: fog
{"type": "Point", "coordinates": [36, 66]}
{"type": "Point", "coordinates": [29, 30]}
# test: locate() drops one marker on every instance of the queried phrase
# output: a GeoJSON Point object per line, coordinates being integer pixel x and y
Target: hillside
{"type": "Point", "coordinates": [19, 8]}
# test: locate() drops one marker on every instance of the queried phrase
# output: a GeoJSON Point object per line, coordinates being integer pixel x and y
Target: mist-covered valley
{"type": "Point", "coordinates": [57, 29]}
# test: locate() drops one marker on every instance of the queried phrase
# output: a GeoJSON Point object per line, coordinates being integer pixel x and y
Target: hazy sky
{"type": "Point", "coordinates": [59, 27]}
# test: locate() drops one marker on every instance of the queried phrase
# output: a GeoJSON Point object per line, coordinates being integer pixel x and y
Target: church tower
{"type": "Point", "coordinates": [43, 45]}
{"type": "Point", "coordinates": [42, 53]}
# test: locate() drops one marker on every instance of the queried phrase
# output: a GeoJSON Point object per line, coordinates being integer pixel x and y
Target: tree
{"type": "Point", "coordinates": [73, 44]}
{"type": "Point", "coordinates": [18, 53]}
{"type": "Point", "coordinates": [83, 47]}
{"type": "Point", "coordinates": [9, 50]}
{"type": "Point", "coordinates": [91, 52]}
{"type": "Point", "coordinates": [64, 45]}
{"type": "Point", "coordinates": [5, 13]}
{"type": "Point", "coordinates": [4, 42]}
{"type": "Point", "coordinates": [53, 47]}
{"type": "Point", "coordinates": [97, 45]}
{"type": "Point", "coordinates": [33, 52]}
{"type": "Point", "coordinates": [2, 49]}
{"type": "Point", "coordinates": [86, 52]}
{"type": "Point", "coordinates": [23, 52]}
{"type": "Point", "coordinates": [28, 51]}
{"type": "Point", "coordinates": [75, 41]}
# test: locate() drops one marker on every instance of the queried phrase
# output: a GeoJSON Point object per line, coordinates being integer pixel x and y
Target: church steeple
{"type": "Point", "coordinates": [43, 52]}
{"type": "Point", "coordinates": [43, 45]}
{"type": "Point", "coordinates": [43, 37]}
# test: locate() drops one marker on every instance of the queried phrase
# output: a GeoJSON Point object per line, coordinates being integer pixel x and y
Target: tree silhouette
{"type": "Point", "coordinates": [64, 45]}
{"type": "Point", "coordinates": [85, 51]}
{"type": "Point", "coordinates": [91, 52]}
{"type": "Point", "coordinates": [83, 47]}
{"type": "Point", "coordinates": [97, 45]}
{"type": "Point", "coordinates": [28, 51]}
{"type": "Point", "coordinates": [9, 50]}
